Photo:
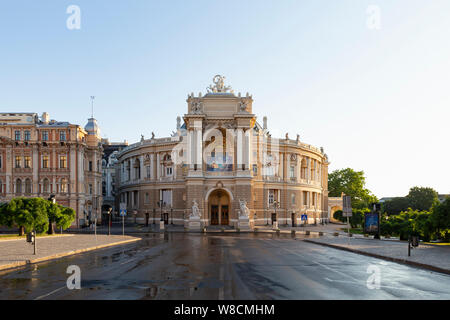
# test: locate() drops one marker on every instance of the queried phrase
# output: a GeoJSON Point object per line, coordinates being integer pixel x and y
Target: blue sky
{"type": "Point", "coordinates": [376, 100]}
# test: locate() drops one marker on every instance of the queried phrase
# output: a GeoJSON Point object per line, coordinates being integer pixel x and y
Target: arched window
{"type": "Point", "coordinates": [28, 186]}
{"type": "Point", "coordinates": [304, 169]}
{"type": "Point", "coordinates": [46, 186]}
{"type": "Point", "coordinates": [18, 186]}
{"type": "Point", "coordinates": [293, 198]}
{"type": "Point", "coordinates": [137, 169]}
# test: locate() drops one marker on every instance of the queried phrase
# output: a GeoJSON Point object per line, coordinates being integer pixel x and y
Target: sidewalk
{"type": "Point", "coordinates": [16, 253]}
{"type": "Point", "coordinates": [425, 256]}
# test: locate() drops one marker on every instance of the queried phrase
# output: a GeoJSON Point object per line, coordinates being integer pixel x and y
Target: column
{"type": "Point", "coordinates": [152, 166]}
{"type": "Point", "coordinates": [239, 148]}
{"type": "Point", "coordinates": [158, 169]}
{"type": "Point", "coordinates": [199, 145]}
{"type": "Point", "coordinates": [248, 149]}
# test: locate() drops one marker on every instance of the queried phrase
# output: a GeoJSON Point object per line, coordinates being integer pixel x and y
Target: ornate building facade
{"type": "Point", "coordinates": [219, 157]}
{"type": "Point", "coordinates": [40, 157]}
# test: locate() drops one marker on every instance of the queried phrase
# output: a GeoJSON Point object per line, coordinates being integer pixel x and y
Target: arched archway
{"type": "Point", "coordinates": [219, 207]}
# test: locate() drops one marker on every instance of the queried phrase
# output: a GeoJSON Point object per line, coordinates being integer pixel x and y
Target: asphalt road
{"type": "Point", "coordinates": [216, 267]}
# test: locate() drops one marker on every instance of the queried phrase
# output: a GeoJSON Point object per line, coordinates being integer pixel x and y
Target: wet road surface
{"type": "Point", "coordinates": [216, 267]}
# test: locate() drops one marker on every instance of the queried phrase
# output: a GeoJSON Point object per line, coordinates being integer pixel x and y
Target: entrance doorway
{"type": "Point", "coordinates": [219, 204]}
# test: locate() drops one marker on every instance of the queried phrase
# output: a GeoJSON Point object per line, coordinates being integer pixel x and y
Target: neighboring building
{"type": "Point", "coordinates": [110, 150]}
{"type": "Point", "coordinates": [40, 157]}
{"type": "Point", "coordinates": [218, 156]}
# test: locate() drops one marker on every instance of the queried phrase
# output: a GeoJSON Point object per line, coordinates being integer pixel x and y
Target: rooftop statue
{"type": "Point", "coordinates": [219, 86]}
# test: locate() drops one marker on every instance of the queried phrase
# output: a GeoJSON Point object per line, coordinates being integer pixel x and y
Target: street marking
{"type": "Point", "coordinates": [128, 261]}
{"type": "Point", "coordinates": [50, 293]}
{"type": "Point", "coordinates": [388, 287]}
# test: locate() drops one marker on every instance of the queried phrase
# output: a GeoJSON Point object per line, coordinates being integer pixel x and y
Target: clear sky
{"type": "Point", "coordinates": [376, 99]}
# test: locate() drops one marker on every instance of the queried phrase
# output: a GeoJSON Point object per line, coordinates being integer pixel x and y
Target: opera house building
{"type": "Point", "coordinates": [219, 159]}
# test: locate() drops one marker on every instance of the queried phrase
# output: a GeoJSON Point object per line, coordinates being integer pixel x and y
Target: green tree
{"type": "Point", "coordinates": [351, 183]}
{"type": "Point", "coordinates": [422, 199]}
{"type": "Point", "coordinates": [65, 218]}
{"type": "Point", "coordinates": [396, 205]}
{"type": "Point", "coordinates": [28, 214]}
{"type": "Point", "coordinates": [440, 217]}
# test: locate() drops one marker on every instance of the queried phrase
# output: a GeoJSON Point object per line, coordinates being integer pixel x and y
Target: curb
{"type": "Point", "coordinates": [44, 237]}
{"type": "Point", "coordinates": [374, 255]}
{"type": "Point", "coordinates": [64, 254]}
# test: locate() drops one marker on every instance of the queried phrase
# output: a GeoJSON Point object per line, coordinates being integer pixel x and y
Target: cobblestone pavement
{"type": "Point", "coordinates": [433, 257]}
{"type": "Point", "coordinates": [19, 252]}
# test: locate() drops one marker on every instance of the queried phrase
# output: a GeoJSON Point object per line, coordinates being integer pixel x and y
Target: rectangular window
{"type": "Point", "coordinates": [27, 135]}
{"type": "Point", "coordinates": [44, 135]}
{"type": "Point", "coordinates": [90, 188]}
{"type": "Point", "coordinates": [292, 172]}
{"type": "Point", "coordinates": [274, 195]}
{"type": "Point", "coordinates": [166, 197]}
{"type": "Point", "coordinates": [18, 161]}
{"type": "Point", "coordinates": [0, 161]}
{"type": "Point", "coordinates": [27, 162]}
{"type": "Point", "coordinates": [305, 198]}
{"type": "Point", "coordinates": [90, 165]}
{"type": "Point", "coordinates": [62, 162]}
{"type": "Point", "coordinates": [255, 169]}
{"type": "Point", "coordinates": [62, 136]}
{"type": "Point", "coordinates": [17, 135]}
{"type": "Point", "coordinates": [168, 171]}
{"type": "Point", "coordinates": [148, 172]}
{"type": "Point", "coordinates": [45, 162]}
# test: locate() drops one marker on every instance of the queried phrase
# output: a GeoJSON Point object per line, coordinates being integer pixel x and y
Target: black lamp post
{"type": "Point", "coordinates": [160, 204]}
{"type": "Point", "coordinates": [265, 216]}
{"type": "Point", "coordinates": [109, 221]}
{"type": "Point", "coordinates": [171, 215]}
{"type": "Point", "coordinates": [52, 198]}
{"type": "Point", "coordinates": [154, 212]}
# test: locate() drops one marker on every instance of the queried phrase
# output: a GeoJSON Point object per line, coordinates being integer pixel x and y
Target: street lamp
{"type": "Point", "coordinates": [265, 216]}
{"type": "Point", "coordinates": [171, 215]}
{"type": "Point", "coordinates": [275, 206]}
{"type": "Point", "coordinates": [109, 222]}
{"type": "Point", "coordinates": [160, 204]}
{"type": "Point", "coordinates": [52, 198]}
{"type": "Point", "coordinates": [154, 212]}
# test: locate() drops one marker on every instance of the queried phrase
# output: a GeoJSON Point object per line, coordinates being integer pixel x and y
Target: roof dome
{"type": "Point", "coordinates": [92, 127]}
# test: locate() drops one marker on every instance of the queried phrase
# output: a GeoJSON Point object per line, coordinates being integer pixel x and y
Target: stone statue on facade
{"type": "Point", "coordinates": [219, 86]}
{"type": "Point", "coordinates": [153, 135]}
{"type": "Point", "coordinates": [196, 107]}
{"type": "Point", "coordinates": [244, 210]}
{"type": "Point", "coordinates": [243, 106]}
{"type": "Point", "coordinates": [195, 210]}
